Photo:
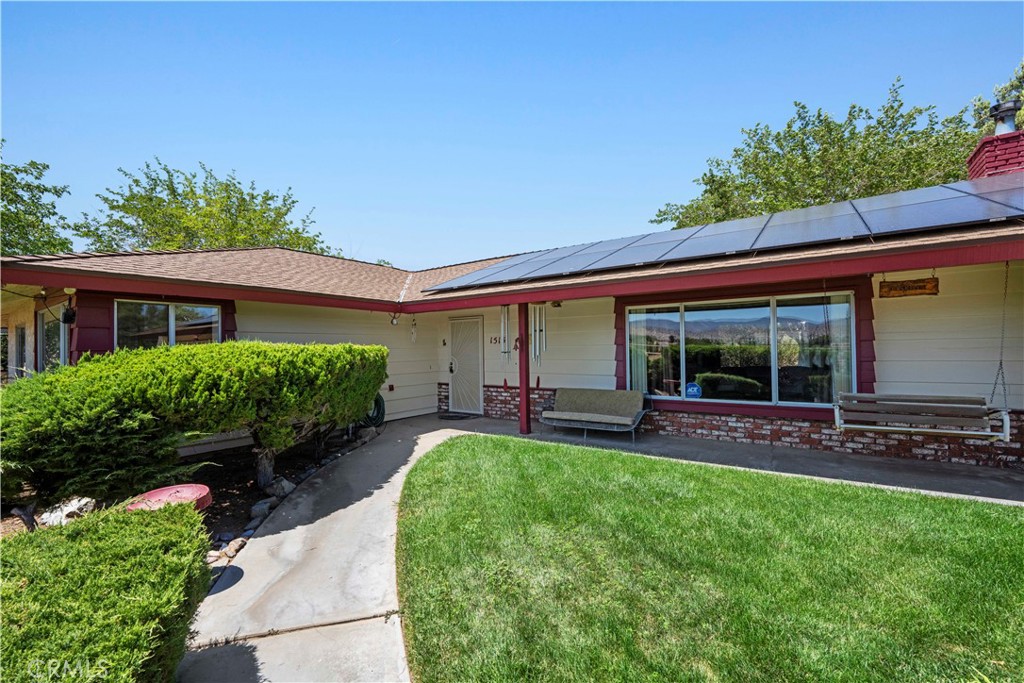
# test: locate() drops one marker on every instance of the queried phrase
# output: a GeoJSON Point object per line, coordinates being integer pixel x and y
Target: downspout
{"type": "Point", "coordinates": [524, 368]}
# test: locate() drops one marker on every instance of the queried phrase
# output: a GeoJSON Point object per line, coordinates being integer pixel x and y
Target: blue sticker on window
{"type": "Point", "coordinates": [693, 390]}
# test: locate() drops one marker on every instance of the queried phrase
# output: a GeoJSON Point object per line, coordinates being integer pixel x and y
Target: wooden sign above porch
{"type": "Point", "coordinates": [888, 289]}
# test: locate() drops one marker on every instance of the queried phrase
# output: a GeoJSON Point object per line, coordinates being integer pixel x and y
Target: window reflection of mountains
{"type": "Point", "coordinates": [725, 329]}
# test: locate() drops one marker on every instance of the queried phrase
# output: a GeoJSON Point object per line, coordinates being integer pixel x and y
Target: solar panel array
{"type": "Point", "coordinates": [930, 208]}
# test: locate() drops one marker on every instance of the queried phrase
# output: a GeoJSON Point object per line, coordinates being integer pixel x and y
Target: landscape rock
{"type": "Point", "coordinates": [254, 524]}
{"type": "Point", "coordinates": [234, 547]}
{"type": "Point", "coordinates": [248, 533]}
{"type": "Point", "coordinates": [366, 434]}
{"type": "Point", "coordinates": [307, 474]}
{"type": "Point", "coordinates": [280, 487]}
{"type": "Point", "coordinates": [224, 537]}
{"type": "Point", "coordinates": [59, 515]}
{"type": "Point", "coordinates": [263, 507]}
{"type": "Point", "coordinates": [212, 556]}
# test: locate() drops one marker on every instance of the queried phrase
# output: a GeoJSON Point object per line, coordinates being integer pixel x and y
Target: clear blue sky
{"type": "Point", "coordinates": [437, 133]}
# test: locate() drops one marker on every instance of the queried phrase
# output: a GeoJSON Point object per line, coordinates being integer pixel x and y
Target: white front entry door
{"type": "Point", "coordinates": [466, 366]}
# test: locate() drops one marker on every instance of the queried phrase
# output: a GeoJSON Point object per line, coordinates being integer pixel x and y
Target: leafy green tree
{"type": "Point", "coordinates": [29, 220]}
{"type": "Point", "coordinates": [818, 159]}
{"type": "Point", "coordinates": [165, 208]}
{"type": "Point", "coordinates": [1010, 90]}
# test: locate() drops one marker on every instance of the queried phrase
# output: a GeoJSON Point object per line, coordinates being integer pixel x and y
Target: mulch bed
{"type": "Point", "coordinates": [231, 477]}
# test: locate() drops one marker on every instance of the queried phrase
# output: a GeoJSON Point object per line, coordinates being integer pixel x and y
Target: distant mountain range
{"type": "Point", "coordinates": [726, 329]}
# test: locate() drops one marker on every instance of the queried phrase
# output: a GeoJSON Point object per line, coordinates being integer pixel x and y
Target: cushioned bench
{"type": "Point", "coordinates": [605, 409]}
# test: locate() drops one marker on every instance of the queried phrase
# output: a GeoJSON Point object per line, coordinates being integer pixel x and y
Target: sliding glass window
{"type": "Point", "coordinates": [143, 325]}
{"type": "Point", "coordinates": [796, 349]}
{"type": "Point", "coordinates": [654, 350]}
{"type": "Point", "coordinates": [815, 350]}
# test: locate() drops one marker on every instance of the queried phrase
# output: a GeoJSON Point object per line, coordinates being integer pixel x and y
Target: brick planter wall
{"type": "Point", "coordinates": [503, 403]}
{"type": "Point", "coordinates": [824, 436]}
{"type": "Point", "coordinates": [442, 397]}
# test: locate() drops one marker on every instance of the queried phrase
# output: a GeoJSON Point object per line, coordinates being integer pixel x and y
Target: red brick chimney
{"type": "Point", "coordinates": [1003, 152]}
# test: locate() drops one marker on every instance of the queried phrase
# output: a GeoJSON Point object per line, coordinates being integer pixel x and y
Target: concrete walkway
{"type": "Point", "coordinates": [313, 595]}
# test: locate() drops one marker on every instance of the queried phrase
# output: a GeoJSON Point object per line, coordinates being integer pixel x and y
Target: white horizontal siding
{"type": "Point", "coordinates": [412, 368]}
{"type": "Point", "coordinates": [580, 346]}
{"type": "Point", "coordinates": [949, 344]}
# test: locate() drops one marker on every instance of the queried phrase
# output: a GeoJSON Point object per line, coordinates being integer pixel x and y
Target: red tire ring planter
{"type": "Point", "coordinates": [197, 494]}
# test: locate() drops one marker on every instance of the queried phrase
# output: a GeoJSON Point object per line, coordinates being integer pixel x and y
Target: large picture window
{"type": "Point", "coordinates": [142, 324]}
{"type": "Point", "coordinates": [729, 350]}
{"type": "Point", "coordinates": [794, 349]}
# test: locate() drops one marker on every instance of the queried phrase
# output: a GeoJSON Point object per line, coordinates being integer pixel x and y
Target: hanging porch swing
{"type": "Point", "coordinates": [957, 416]}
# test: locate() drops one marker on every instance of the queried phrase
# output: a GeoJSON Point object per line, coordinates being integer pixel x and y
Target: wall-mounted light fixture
{"type": "Point", "coordinates": [69, 314]}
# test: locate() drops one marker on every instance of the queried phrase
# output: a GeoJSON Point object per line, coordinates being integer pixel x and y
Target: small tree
{"type": "Point", "coordinates": [29, 219]}
{"type": "Point", "coordinates": [160, 207]}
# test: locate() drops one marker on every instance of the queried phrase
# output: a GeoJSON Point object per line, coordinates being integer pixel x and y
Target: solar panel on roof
{"type": "Point", "coordinates": [733, 226]}
{"type": "Point", "coordinates": [812, 213]}
{"type": "Point", "coordinates": [1009, 198]}
{"type": "Point", "coordinates": [611, 245]}
{"type": "Point", "coordinates": [571, 264]}
{"type": "Point", "coordinates": [907, 198]}
{"type": "Point", "coordinates": [492, 270]}
{"type": "Point", "coordinates": [631, 256]}
{"type": "Point", "coordinates": [731, 242]}
{"type": "Point", "coordinates": [1010, 181]}
{"type": "Point", "coordinates": [958, 210]}
{"type": "Point", "coordinates": [516, 272]}
{"type": "Point", "coordinates": [940, 206]}
{"type": "Point", "coordinates": [841, 227]}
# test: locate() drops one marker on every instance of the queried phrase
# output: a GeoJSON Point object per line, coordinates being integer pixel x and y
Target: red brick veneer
{"type": "Point", "coordinates": [503, 403]}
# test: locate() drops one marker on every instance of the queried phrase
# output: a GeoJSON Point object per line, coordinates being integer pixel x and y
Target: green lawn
{"type": "Point", "coordinates": [522, 560]}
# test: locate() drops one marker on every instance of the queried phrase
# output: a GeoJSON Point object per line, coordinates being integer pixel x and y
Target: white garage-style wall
{"type": "Point", "coordinates": [580, 345]}
{"type": "Point", "coordinates": [949, 344]}
{"type": "Point", "coordinates": [412, 362]}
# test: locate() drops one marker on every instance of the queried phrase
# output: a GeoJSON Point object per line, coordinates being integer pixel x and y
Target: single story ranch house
{"type": "Point", "coordinates": [745, 330]}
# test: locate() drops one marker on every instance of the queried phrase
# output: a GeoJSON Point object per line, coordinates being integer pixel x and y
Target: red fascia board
{"type": "Point", "coordinates": [55, 277]}
{"type": "Point", "coordinates": [968, 254]}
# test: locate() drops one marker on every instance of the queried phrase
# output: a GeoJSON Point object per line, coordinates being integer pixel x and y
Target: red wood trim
{"type": "Point", "coordinates": [524, 368]}
{"type": "Point", "coordinates": [744, 276]}
{"type": "Point", "coordinates": [159, 290]}
{"type": "Point", "coordinates": [93, 331]}
{"type": "Point", "coordinates": [864, 328]}
{"type": "Point", "coordinates": [621, 352]}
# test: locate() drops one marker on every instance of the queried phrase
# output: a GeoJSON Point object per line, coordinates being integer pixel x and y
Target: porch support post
{"type": "Point", "coordinates": [524, 368]}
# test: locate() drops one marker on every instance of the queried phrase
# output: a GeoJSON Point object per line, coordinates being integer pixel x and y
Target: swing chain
{"type": "Point", "coordinates": [1000, 371]}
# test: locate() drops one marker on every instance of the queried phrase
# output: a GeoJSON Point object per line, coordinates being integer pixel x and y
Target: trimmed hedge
{"type": "Point", "coordinates": [109, 427]}
{"type": "Point", "coordinates": [108, 597]}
